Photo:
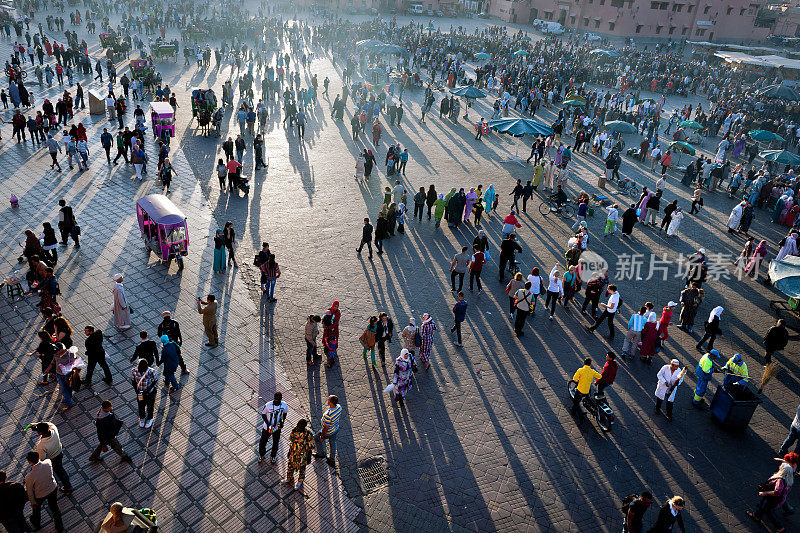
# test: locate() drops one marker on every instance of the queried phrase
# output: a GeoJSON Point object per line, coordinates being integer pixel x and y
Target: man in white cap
{"type": "Point", "coordinates": [669, 377]}
{"type": "Point", "coordinates": [664, 321]}
{"type": "Point", "coordinates": [121, 310]}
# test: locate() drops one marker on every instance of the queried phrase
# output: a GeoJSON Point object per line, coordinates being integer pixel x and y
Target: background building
{"type": "Point", "coordinates": [710, 20]}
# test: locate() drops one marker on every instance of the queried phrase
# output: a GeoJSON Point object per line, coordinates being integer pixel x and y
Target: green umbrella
{"type": "Point", "coordinates": [764, 135]}
{"type": "Point", "coordinates": [520, 53]}
{"type": "Point", "coordinates": [575, 96]}
{"type": "Point", "coordinates": [691, 124]}
{"type": "Point", "coordinates": [682, 147]}
{"type": "Point", "coordinates": [574, 103]}
{"type": "Point", "coordinates": [482, 55]}
{"type": "Point", "coordinates": [430, 28]}
{"type": "Point", "coordinates": [781, 156]}
{"type": "Point", "coordinates": [620, 126]}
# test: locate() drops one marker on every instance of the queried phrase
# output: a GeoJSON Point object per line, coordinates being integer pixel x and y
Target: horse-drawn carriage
{"type": "Point", "coordinates": [107, 39]}
{"type": "Point", "coordinates": [204, 108]}
{"type": "Point", "coordinates": [162, 49]}
{"type": "Point", "coordinates": [143, 69]}
{"type": "Point", "coordinates": [192, 34]}
{"type": "Point", "coordinates": [116, 48]}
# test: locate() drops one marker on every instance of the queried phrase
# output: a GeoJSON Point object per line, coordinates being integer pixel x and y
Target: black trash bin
{"type": "Point", "coordinates": [734, 407]}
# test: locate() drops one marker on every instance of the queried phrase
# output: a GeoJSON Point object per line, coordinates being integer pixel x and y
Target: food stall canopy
{"type": "Point", "coordinates": [766, 61]}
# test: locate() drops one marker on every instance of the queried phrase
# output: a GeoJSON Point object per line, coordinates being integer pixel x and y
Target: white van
{"type": "Point", "coordinates": [415, 9]}
{"type": "Point", "coordinates": [553, 28]}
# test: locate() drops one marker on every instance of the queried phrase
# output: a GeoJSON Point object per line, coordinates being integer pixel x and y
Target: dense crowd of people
{"type": "Point", "coordinates": [522, 77]}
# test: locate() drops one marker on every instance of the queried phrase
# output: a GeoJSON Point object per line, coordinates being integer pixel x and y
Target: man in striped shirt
{"type": "Point", "coordinates": [330, 428]}
{"type": "Point", "coordinates": [274, 414]}
{"type": "Point", "coordinates": [634, 334]}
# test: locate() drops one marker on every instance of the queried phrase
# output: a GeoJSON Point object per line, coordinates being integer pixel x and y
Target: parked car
{"type": "Point", "coordinates": [430, 12]}
{"type": "Point", "coordinates": [415, 10]}
{"type": "Point", "coordinates": [439, 13]}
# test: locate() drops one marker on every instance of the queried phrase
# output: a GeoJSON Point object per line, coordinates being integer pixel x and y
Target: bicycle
{"type": "Point", "coordinates": [551, 206]}
{"type": "Point", "coordinates": [627, 185]}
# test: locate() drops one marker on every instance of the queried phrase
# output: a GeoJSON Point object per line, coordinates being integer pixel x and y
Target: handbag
{"type": "Point", "coordinates": [767, 486]}
{"type": "Point", "coordinates": [140, 394]}
{"type": "Point", "coordinates": [417, 339]}
{"type": "Point", "coordinates": [74, 379]}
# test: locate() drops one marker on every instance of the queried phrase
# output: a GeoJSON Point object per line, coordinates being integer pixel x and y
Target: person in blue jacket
{"type": "Point", "coordinates": [170, 356]}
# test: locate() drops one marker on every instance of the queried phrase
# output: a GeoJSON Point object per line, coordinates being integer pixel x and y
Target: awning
{"type": "Point", "coordinates": [770, 61]}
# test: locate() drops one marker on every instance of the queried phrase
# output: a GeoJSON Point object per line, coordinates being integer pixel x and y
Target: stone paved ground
{"type": "Point", "coordinates": [486, 442]}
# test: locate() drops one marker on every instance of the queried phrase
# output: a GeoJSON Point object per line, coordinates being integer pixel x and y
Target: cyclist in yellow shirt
{"type": "Point", "coordinates": [584, 377]}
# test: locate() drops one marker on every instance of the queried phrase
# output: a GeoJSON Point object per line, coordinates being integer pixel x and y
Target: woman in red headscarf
{"type": "Point", "coordinates": [336, 314]}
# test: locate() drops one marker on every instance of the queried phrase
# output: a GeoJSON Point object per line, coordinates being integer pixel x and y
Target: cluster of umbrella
{"type": "Point", "coordinates": [519, 127]}
{"type": "Point", "coordinates": [374, 46]}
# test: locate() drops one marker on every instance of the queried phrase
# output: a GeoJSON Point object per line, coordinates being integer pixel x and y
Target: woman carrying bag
{"type": "Point", "coordinates": [144, 381]}
{"type": "Point", "coordinates": [775, 490]}
{"type": "Point", "coordinates": [404, 368]}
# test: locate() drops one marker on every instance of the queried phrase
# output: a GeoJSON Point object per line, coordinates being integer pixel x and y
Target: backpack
{"type": "Point", "coordinates": [417, 339]}
{"type": "Point", "coordinates": [627, 501]}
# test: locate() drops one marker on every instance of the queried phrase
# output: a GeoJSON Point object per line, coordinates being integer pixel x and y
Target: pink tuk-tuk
{"type": "Point", "coordinates": [163, 117]}
{"type": "Point", "coordinates": [163, 227]}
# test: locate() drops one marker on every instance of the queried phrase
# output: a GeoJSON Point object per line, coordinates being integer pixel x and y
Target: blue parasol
{"type": "Point", "coordinates": [468, 91]}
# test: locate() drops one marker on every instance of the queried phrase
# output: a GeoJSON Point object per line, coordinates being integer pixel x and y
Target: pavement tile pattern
{"type": "Point", "coordinates": [485, 443]}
